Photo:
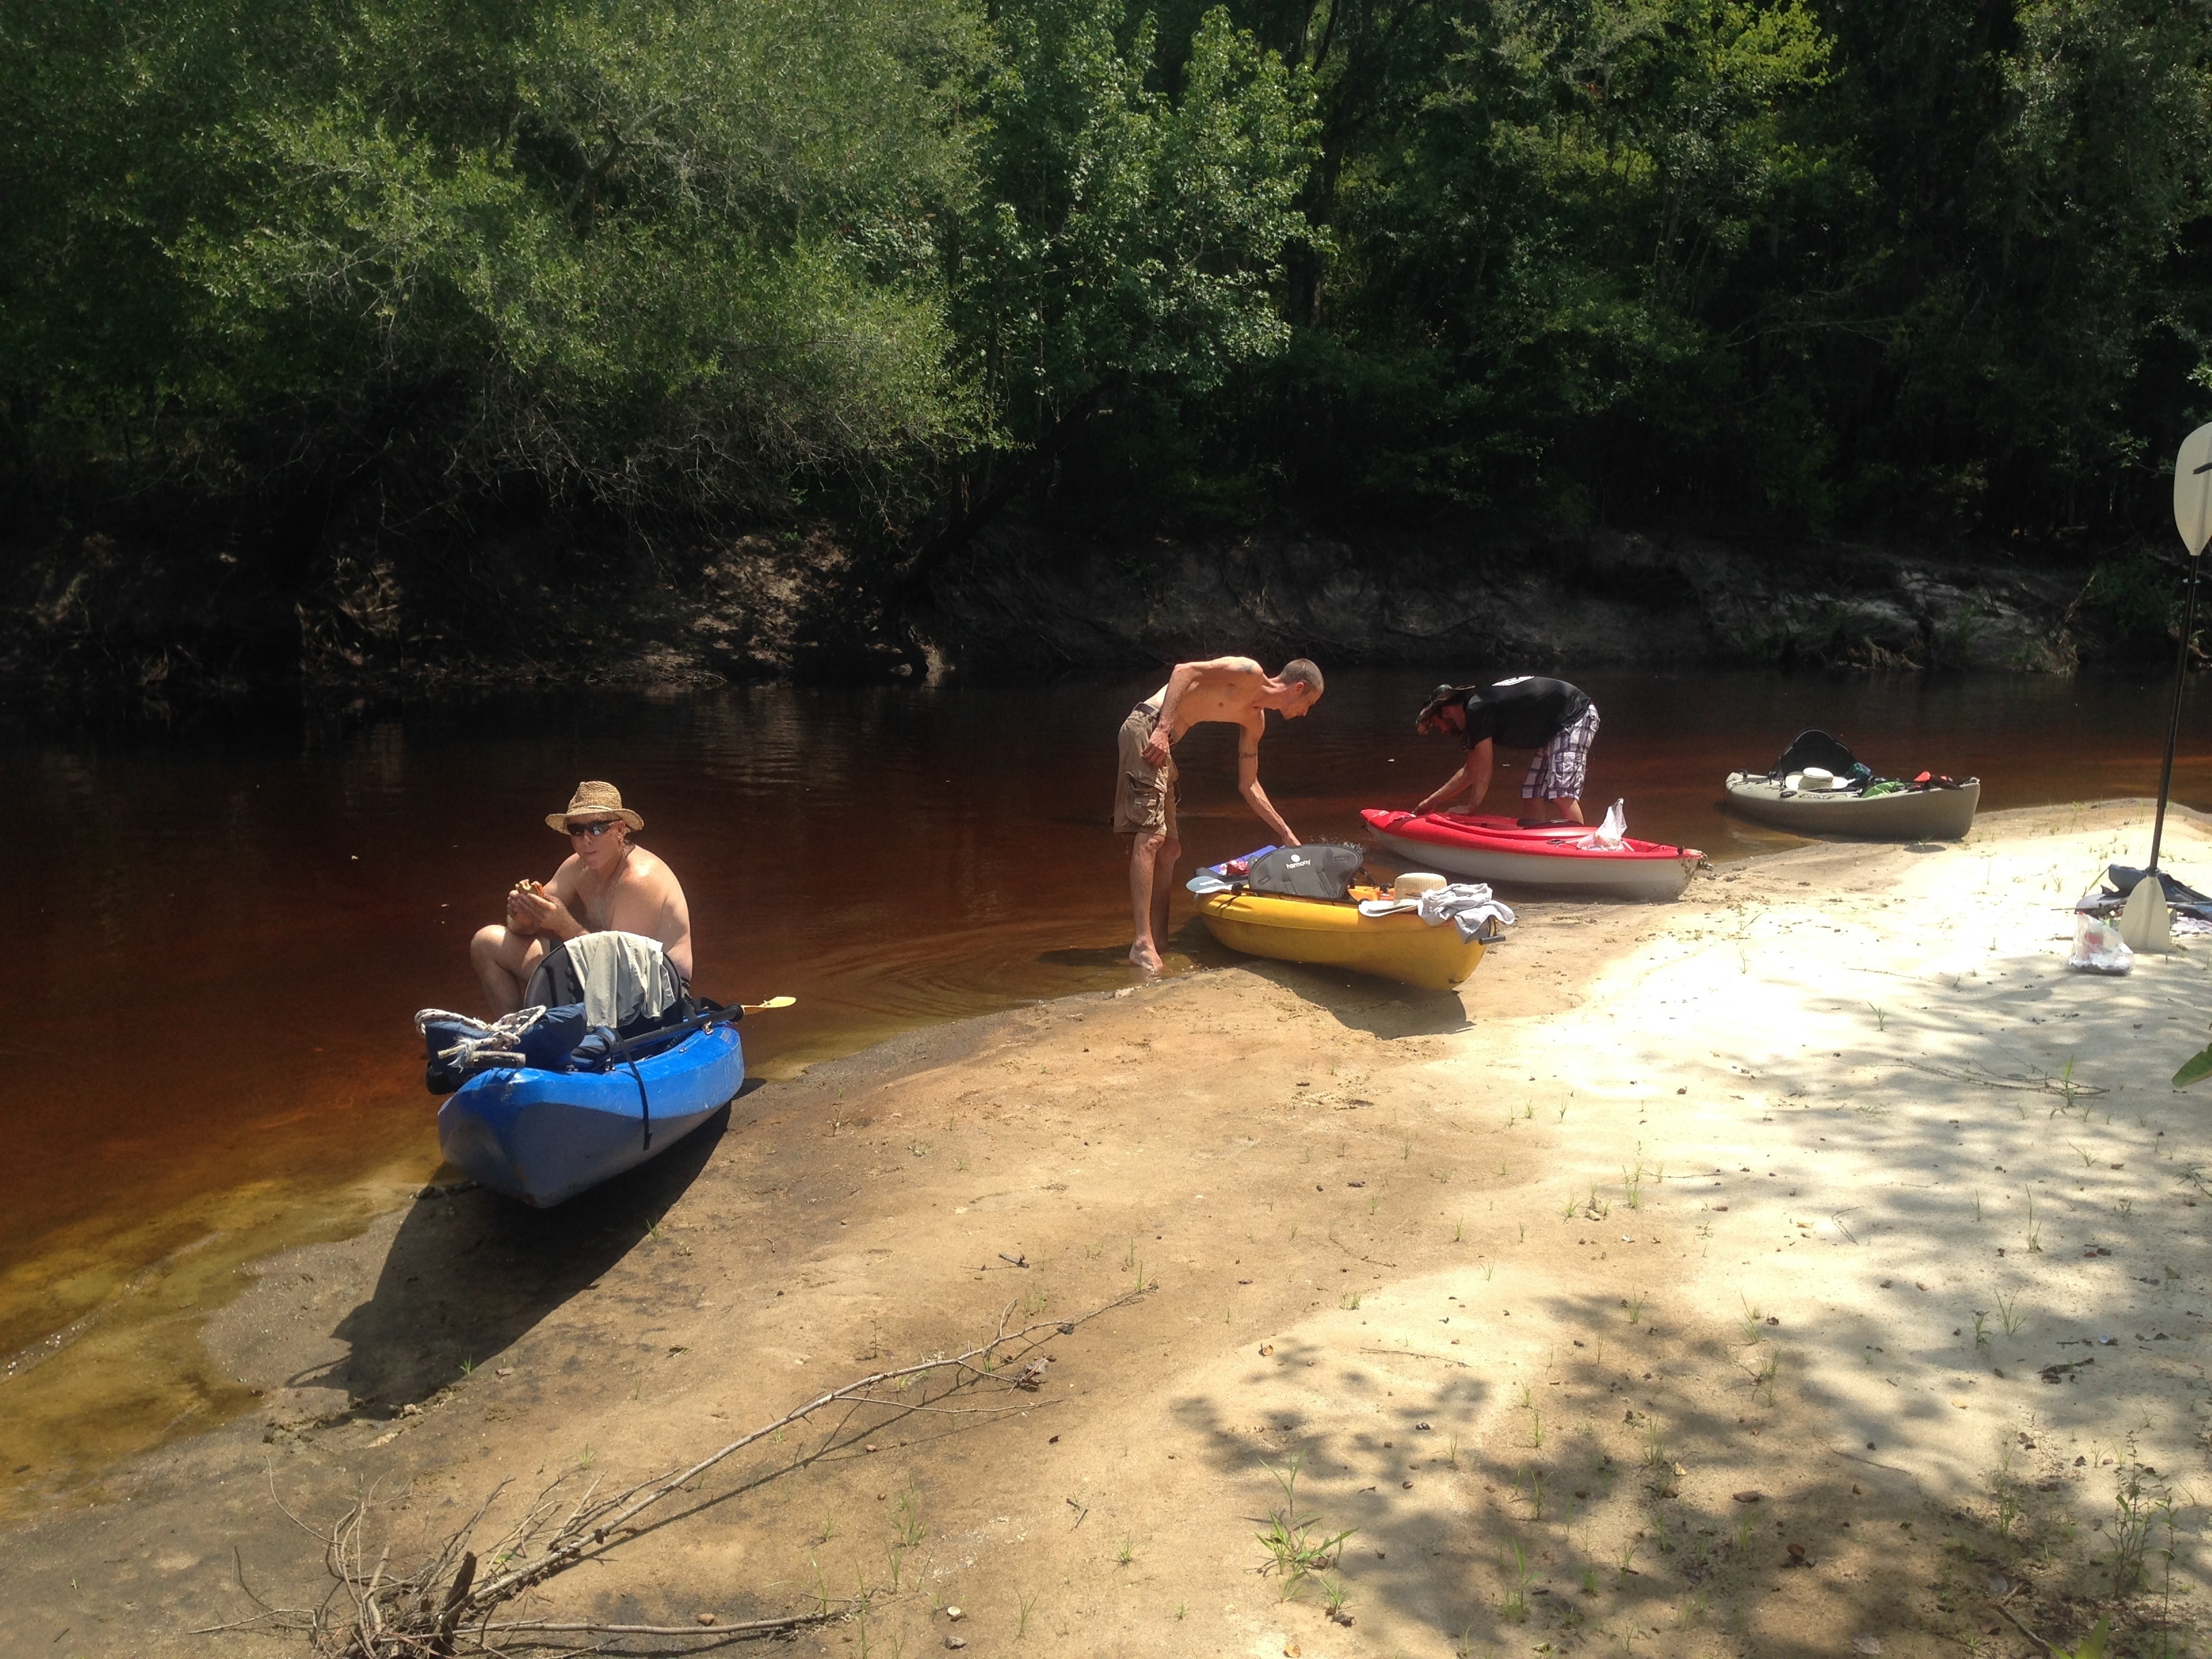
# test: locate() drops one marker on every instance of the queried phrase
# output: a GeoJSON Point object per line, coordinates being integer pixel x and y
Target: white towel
{"type": "Point", "coordinates": [1467, 905]}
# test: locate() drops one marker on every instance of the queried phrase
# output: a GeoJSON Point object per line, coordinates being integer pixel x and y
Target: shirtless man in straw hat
{"type": "Point", "coordinates": [1234, 689]}
{"type": "Point", "coordinates": [608, 883]}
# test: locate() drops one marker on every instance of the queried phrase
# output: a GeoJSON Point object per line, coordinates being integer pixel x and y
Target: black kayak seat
{"type": "Point", "coordinates": [1814, 747]}
{"type": "Point", "coordinates": [624, 981]}
{"type": "Point", "coordinates": [2179, 894]}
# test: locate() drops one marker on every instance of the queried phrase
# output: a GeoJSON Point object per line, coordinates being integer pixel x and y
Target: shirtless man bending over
{"type": "Point", "coordinates": [1235, 690]}
{"type": "Point", "coordinates": [607, 883]}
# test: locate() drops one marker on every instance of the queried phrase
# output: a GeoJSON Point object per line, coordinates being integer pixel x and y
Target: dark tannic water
{"type": "Point", "coordinates": [222, 933]}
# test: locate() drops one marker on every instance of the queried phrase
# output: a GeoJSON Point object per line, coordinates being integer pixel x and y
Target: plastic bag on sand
{"type": "Point", "coordinates": [2098, 947]}
{"type": "Point", "coordinates": [1608, 835]}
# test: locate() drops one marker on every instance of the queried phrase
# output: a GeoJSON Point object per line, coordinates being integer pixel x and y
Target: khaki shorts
{"type": "Point", "coordinates": [1144, 796]}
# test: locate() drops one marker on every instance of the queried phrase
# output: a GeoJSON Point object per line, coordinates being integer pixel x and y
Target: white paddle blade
{"type": "Point", "coordinates": [2146, 924]}
{"type": "Point", "coordinates": [2192, 489]}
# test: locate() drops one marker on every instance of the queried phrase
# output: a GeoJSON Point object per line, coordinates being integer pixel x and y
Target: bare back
{"type": "Point", "coordinates": [1226, 688]}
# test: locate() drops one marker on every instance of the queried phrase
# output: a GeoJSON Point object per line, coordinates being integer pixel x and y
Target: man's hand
{"type": "Point", "coordinates": [1156, 746]}
{"type": "Point", "coordinates": [535, 911]}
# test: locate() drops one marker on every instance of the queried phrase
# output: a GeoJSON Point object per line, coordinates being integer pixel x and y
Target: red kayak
{"type": "Point", "coordinates": [1535, 855]}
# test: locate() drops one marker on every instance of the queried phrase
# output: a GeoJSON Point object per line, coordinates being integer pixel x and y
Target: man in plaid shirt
{"type": "Point", "coordinates": [1552, 717]}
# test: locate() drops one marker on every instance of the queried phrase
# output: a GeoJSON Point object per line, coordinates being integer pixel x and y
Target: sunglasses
{"type": "Point", "coordinates": [594, 830]}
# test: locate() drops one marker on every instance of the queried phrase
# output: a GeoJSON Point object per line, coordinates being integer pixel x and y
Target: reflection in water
{"type": "Point", "coordinates": [227, 932]}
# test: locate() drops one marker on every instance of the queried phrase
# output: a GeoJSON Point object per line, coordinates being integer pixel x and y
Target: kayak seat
{"type": "Point", "coordinates": [1814, 747]}
{"type": "Point", "coordinates": [624, 981]}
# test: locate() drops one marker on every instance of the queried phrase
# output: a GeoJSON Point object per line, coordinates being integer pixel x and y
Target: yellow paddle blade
{"type": "Point", "coordinates": [773, 1002]}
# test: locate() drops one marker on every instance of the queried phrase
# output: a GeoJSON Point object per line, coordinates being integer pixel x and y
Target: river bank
{"type": "Point", "coordinates": [366, 612]}
{"type": "Point", "coordinates": [1802, 1187]}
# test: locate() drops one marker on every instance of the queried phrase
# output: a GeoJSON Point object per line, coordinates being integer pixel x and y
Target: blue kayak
{"type": "Point", "coordinates": [544, 1136]}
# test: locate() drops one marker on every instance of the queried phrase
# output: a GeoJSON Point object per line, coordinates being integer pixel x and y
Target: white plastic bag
{"type": "Point", "coordinates": [2099, 948]}
{"type": "Point", "coordinates": [1610, 836]}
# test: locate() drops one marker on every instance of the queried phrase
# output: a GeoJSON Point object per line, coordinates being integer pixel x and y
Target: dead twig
{"type": "Point", "coordinates": [2024, 1630]}
{"type": "Point", "coordinates": [446, 1603]}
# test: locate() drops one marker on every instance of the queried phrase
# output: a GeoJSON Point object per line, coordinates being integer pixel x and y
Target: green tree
{"type": "Point", "coordinates": [1123, 243]}
{"type": "Point", "coordinates": [670, 256]}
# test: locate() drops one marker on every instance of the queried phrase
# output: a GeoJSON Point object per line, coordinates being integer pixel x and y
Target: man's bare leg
{"type": "Point", "coordinates": [1151, 866]}
{"type": "Point", "coordinates": [503, 960]}
{"type": "Point", "coordinates": [1566, 807]}
{"type": "Point", "coordinates": [1163, 864]}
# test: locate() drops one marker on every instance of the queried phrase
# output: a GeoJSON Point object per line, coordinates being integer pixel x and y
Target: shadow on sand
{"type": "Point", "coordinates": [1381, 1007]}
{"type": "Point", "coordinates": [472, 1272]}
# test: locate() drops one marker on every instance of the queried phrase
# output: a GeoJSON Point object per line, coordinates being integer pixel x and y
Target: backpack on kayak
{"type": "Point", "coordinates": [1324, 870]}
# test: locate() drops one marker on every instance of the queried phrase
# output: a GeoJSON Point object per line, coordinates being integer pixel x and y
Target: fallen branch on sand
{"type": "Point", "coordinates": [444, 1606]}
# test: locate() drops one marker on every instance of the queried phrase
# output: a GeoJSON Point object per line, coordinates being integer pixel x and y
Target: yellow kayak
{"type": "Point", "coordinates": [1333, 934]}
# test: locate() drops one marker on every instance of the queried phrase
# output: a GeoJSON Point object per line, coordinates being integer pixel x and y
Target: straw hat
{"type": "Point", "coordinates": [593, 797]}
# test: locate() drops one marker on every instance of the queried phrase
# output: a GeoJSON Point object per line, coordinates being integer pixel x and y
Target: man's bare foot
{"type": "Point", "coordinates": [1145, 959]}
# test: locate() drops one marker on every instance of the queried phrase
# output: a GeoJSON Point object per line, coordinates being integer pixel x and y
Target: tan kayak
{"type": "Point", "coordinates": [1937, 814]}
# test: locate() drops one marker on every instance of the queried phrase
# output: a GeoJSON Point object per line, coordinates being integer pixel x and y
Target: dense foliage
{"type": "Point", "coordinates": [1896, 266]}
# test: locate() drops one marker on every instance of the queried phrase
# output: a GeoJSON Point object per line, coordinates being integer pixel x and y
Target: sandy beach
{"type": "Point", "coordinates": [1814, 1265]}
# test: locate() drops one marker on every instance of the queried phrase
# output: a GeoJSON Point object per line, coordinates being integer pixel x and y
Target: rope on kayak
{"type": "Point", "coordinates": [498, 1043]}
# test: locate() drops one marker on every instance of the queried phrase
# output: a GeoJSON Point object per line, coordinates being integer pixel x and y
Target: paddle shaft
{"type": "Point", "coordinates": [2173, 725]}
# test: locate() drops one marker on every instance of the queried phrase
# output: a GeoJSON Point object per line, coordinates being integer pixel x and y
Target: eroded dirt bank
{"type": "Point", "coordinates": [1822, 1210]}
{"type": "Point", "coordinates": [369, 612]}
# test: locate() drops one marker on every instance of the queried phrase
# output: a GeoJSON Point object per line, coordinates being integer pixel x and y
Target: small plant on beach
{"type": "Point", "coordinates": [1654, 1448]}
{"type": "Point", "coordinates": [2034, 1231]}
{"type": "Point", "coordinates": [2008, 1314]}
{"type": "Point", "coordinates": [906, 1520]}
{"type": "Point", "coordinates": [1978, 1206]}
{"type": "Point", "coordinates": [1535, 1428]}
{"type": "Point", "coordinates": [1127, 1552]}
{"type": "Point", "coordinates": [1880, 1023]}
{"type": "Point", "coordinates": [1632, 1186]}
{"type": "Point", "coordinates": [1335, 1594]}
{"type": "Point", "coordinates": [1627, 1560]}
{"type": "Point", "coordinates": [1573, 1205]}
{"type": "Point", "coordinates": [1743, 1535]}
{"type": "Point", "coordinates": [1589, 1581]}
{"type": "Point", "coordinates": [1755, 1322]}
{"type": "Point", "coordinates": [1981, 1332]}
{"type": "Point", "coordinates": [1027, 1604]}
{"type": "Point", "coordinates": [1489, 1267]}
{"type": "Point", "coordinates": [1351, 1302]}
{"type": "Point", "coordinates": [1514, 1607]}
{"type": "Point", "coordinates": [1295, 1544]}
{"type": "Point", "coordinates": [1531, 1479]}
{"type": "Point", "coordinates": [828, 1530]}
{"type": "Point", "coordinates": [1767, 1373]}
{"type": "Point", "coordinates": [1635, 1306]}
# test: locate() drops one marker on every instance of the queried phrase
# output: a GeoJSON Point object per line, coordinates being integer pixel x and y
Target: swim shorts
{"type": "Point", "coordinates": [1560, 765]}
{"type": "Point", "coordinates": [1144, 797]}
